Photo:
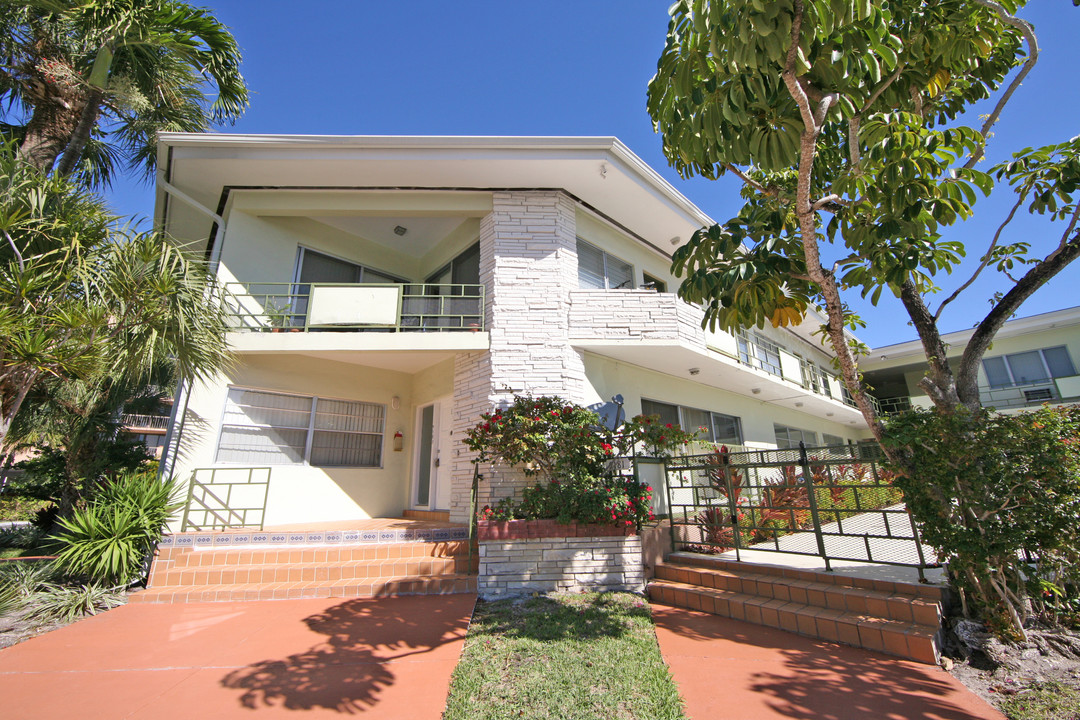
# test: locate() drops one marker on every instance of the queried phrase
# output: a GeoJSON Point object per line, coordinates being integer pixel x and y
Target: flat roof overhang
{"type": "Point", "coordinates": [601, 172]}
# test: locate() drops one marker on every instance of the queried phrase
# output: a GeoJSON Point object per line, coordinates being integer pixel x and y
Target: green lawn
{"type": "Point", "coordinates": [1043, 701]}
{"type": "Point", "coordinates": [576, 657]}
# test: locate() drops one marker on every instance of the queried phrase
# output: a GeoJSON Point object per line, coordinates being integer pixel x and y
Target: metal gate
{"type": "Point", "coordinates": [837, 503]}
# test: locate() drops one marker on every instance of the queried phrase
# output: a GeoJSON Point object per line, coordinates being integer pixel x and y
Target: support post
{"type": "Point", "coordinates": [808, 478]}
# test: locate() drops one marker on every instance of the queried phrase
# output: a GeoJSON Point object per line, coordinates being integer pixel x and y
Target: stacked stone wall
{"type": "Point", "coordinates": [565, 564]}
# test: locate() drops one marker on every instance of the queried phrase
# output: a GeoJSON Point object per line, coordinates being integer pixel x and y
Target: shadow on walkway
{"type": "Point", "coordinates": [365, 640]}
{"type": "Point", "coordinates": [727, 668]}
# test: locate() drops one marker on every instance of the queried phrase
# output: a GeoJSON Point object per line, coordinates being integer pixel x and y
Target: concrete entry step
{"type": "Point", "coordinates": [186, 574]}
{"type": "Point", "coordinates": [893, 618]}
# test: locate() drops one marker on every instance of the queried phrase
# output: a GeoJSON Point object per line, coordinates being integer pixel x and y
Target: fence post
{"type": "Point", "coordinates": [812, 499]}
{"type": "Point", "coordinates": [670, 506]}
{"type": "Point", "coordinates": [474, 495]}
{"type": "Point", "coordinates": [725, 463]}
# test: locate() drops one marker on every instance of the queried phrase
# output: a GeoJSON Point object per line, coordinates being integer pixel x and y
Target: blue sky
{"type": "Point", "coordinates": [567, 67]}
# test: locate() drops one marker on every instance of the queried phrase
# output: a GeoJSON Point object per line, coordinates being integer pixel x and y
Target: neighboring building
{"type": "Point", "coordinates": [1033, 360]}
{"type": "Point", "coordinates": [388, 290]}
{"type": "Point", "coordinates": [148, 428]}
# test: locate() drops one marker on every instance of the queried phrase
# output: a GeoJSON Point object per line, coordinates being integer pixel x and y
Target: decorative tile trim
{"type": "Point", "coordinates": [210, 540]}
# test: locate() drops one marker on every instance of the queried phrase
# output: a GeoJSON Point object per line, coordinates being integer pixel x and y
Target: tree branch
{"type": "Point", "coordinates": [813, 119]}
{"type": "Point", "coordinates": [1071, 226]}
{"type": "Point", "coordinates": [1035, 278]}
{"type": "Point", "coordinates": [1033, 56]}
{"type": "Point", "coordinates": [770, 191]}
{"type": "Point", "coordinates": [827, 201]}
{"type": "Point", "coordinates": [986, 257]}
{"type": "Point", "coordinates": [15, 249]}
{"type": "Point", "coordinates": [939, 382]}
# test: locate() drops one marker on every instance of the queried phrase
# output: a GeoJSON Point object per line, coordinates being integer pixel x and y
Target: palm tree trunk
{"type": "Point", "coordinates": [48, 132]}
{"type": "Point", "coordinates": [79, 137]}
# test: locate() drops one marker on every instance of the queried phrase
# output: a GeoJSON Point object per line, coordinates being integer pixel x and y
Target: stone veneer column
{"type": "Point", "coordinates": [528, 265]}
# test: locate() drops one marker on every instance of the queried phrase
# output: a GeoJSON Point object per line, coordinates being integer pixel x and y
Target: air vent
{"type": "Point", "coordinates": [1038, 395]}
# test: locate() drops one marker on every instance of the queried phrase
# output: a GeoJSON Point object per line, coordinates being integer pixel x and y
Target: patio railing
{"type": "Point", "coordinates": [391, 307]}
{"type": "Point", "coordinates": [837, 503]}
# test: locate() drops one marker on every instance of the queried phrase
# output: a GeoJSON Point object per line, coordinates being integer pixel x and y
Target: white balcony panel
{"type": "Point", "coordinates": [1068, 387]}
{"type": "Point", "coordinates": [790, 367]}
{"type": "Point", "coordinates": [836, 389]}
{"type": "Point", "coordinates": [721, 342]}
{"type": "Point", "coordinates": [353, 305]}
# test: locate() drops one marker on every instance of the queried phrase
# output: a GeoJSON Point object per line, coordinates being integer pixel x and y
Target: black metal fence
{"type": "Point", "coordinates": [837, 503]}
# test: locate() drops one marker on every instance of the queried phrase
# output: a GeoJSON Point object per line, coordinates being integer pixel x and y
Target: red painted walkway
{"type": "Point", "coordinates": [731, 670]}
{"type": "Point", "coordinates": [381, 658]}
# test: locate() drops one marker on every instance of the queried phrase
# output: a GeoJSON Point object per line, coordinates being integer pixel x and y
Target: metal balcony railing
{"type": "Point", "coordinates": [303, 307]}
{"type": "Point", "coordinates": [152, 422]}
{"type": "Point", "coordinates": [1017, 395]}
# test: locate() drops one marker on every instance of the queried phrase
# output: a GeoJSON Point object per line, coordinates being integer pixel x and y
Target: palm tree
{"type": "Point", "coordinates": [82, 297]}
{"type": "Point", "coordinates": [90, 83]}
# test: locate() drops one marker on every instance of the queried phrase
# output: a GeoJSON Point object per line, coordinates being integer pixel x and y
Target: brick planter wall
{"type": "Point", "coordinates": [514, 560]}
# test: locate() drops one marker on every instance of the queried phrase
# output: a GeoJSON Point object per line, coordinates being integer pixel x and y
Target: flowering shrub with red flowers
{"type": "Point", "coordinates": [567, 449]}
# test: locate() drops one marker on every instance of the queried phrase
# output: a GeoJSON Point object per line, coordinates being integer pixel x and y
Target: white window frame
{"type": "Point", "coordinates": [788, 429]}
{"type": "Point", "coordinates": [310, 432]}
{"type": "Point", "coordinates": [604, 255]}
{"type": "Point", "coordinates": [710, 413]}
{"type": "Point", "coordinates": [755, 355]}
{"type": "Point", "coordinates": [1050, 376]}
{"type": "Point", "coordinates": [301, 249]}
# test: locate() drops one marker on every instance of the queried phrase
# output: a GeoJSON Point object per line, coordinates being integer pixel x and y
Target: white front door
{"type": "Point", "coordinates": [431, 486]}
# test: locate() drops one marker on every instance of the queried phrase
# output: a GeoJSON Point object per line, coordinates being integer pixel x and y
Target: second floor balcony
{"type": "Point", "coordinates": [661, 332]}
{"type": "Point", "coordinates": [1015, 396]}
{"type": "Point", "coordinates": [355, 316]}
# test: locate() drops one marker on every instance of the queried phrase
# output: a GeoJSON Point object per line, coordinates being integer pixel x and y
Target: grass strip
{"type": "Point", "coordinates": [576, 657]}
{"type": "Point", "coordinates": [1043, 701]}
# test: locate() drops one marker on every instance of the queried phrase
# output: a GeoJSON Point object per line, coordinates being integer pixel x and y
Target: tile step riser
{"type": "Point", "coordinates": [440, 586]}
{"type": "Point", "coordinates": [925, 592]}
{"type": "Point", "coordinates": [899, 608]}
{"type": "Point", "coordinates": [308, 574]}
{"type": "Point", "coordinates": [922, 648]}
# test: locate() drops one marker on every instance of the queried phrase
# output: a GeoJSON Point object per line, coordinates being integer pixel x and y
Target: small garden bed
{"type": "Point", "coordinates": [563, 656]}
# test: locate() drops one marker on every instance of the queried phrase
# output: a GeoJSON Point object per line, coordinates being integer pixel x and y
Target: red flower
{"type": "Point", "coordinates": [669, 426]}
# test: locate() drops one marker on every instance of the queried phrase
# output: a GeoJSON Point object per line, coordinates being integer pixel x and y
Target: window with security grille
{"type": "Point", "coordinates": [269, 428]}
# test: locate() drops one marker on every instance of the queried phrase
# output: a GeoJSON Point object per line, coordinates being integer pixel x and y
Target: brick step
{"type": "Point", "coordinates": [354, 588]}
{"type": "Point", "coordinates": [310, 572]}
{"type": "Point", "coordinates": [907, 640]}
{"type": "Point", "coordinates": [183, 557]}
{"type": "Point", "coordinates": [933, 593]}
{"type": "Point", "coordinates": [817, 592]}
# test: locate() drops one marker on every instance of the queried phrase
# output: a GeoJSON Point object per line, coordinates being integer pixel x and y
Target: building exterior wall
{"type": "Point", "coordinates": [607, 377]}
{"type": "Point", "coordinates": [300, 493]}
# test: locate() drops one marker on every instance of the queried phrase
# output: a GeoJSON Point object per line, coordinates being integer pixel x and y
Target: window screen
{"type": "Point", "coordinates": [265, 428]}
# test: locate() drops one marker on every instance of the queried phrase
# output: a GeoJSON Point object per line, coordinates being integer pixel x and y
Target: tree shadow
{"type": "Point", "coordinates": [348, 671]}
{"type": "Point", "coordinates": [810, 679]}
{"type": "Point", "coordinates": [587, 616]}
{"type": "Point", "coordinates": [853, 683]}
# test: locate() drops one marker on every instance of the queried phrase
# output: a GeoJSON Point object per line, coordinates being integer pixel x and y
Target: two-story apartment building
{"type": "Point", "coordinates": [385, 291]}
{"type": "Point", "coordinates": [1032, 361]}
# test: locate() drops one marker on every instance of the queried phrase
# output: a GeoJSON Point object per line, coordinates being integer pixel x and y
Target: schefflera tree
{"type": "Point", "coordinates": [843, 120]}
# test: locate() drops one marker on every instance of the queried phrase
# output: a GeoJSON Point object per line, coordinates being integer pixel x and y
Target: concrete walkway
{"type": "Point", "coordinates": [730, 670]}
{"type": "Point", "coordinates": [382, 658]}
